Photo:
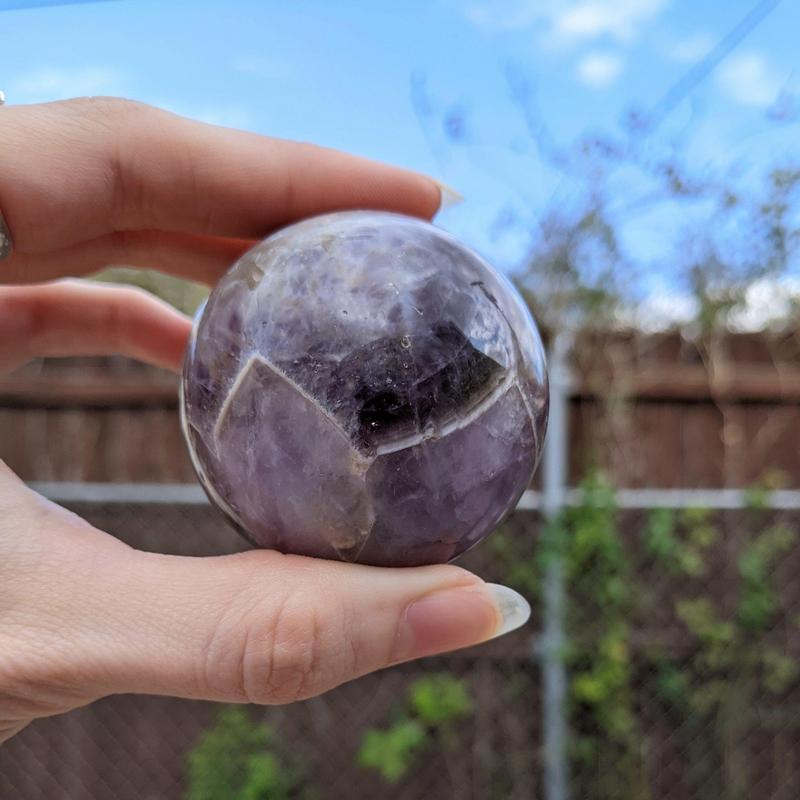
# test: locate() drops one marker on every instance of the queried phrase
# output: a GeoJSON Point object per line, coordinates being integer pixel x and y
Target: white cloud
{"type": "Point", "coordinates": [660, 311]}
{"type": "Point", "coordinates": [59, 83]}
{"type": "Point", "coordinates": [599, 70]}
{"type": "Point", "coordinates": [691, 48]}
{"type": "Point", "coordinates": [568, 20]}
{"type": "Point", "coordinates": [766, 301]}
{"type": "Point", "coordinates": [619, 19]}
{"type": "Point", "coordinates": [749, 79]}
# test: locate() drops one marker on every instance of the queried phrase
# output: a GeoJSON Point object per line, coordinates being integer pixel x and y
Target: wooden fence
{"type": "Point", "coordinates": [652, 411]}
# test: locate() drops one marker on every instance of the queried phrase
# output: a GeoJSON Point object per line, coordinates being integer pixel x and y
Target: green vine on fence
{"type": "Point", "coordinates": [432, 706]}
{"type": "Point", "coordinates": [730, 661]}
{"type": "Point", "coordinates": [711, 680]}
{"type": "Point", "coordinates": [240, 759]}
{"type": "Point", "coordinates": [599, 572]}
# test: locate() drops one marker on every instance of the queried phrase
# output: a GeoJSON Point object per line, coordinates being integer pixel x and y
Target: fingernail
{"type": "Point", "coordinates": [448, 196]}
{"type": "Point", "coordinates": [450, 619]}
{"type": "Point", "coordinates": [513, 608]}
{"type": "Point", "coordinates": [5, 239]}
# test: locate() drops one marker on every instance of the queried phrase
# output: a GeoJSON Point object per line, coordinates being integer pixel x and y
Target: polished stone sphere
{"type": "Point", "coordinates": [361, 386]}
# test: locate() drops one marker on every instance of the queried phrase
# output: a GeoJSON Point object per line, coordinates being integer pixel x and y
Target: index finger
{"type": "Point", "coordinates": [84, 169]}
{"type": "Point", "coordinates": [191, 177]}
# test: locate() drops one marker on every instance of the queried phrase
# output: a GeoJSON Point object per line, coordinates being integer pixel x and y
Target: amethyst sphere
{"type": "Point", "coordinates": [361, 386]}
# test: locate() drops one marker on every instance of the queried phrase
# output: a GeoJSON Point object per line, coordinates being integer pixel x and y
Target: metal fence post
{"type": "Point", "coordinates": [551, 643]}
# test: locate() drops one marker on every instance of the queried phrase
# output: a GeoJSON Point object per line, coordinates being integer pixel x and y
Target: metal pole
{"type": "Point", "coordinates": [551, 644]}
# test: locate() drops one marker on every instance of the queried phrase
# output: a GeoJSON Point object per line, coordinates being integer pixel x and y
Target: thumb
{"type": "Point", "coordinates": [266, 628]}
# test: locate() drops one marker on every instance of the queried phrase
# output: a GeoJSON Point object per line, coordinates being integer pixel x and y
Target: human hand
{"type": "Point", "coordinates": [87, 183]}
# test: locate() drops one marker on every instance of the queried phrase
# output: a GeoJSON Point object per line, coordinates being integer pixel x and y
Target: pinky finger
{"type": "Point", "coordinates": [79, 318]}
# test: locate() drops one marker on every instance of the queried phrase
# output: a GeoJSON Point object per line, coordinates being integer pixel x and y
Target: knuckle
{"type": "Point", "coordinates": [119, 309]}
{"type": "Point", "coordinates": [123, 301]}
{"type": "Point", "coordinates": [102, 113]}
{"type": "Point", "coordinates": [111, 306]}
{"type": "Point", "coordinates": [289, 651]}
{"type": "Point", "coordinates": [133, 296]}
{"type": "Point", "coordinates": [105, 107]}
{"type": "Point", "coordinates": [131, 127]}
{"type": "Point", "coordinates": [291, 666]}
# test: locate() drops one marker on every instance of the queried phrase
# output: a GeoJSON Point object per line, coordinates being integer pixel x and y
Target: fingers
{"type": "Point", "coordinates": [199, 258]}
{"type": "Point", "coordinates": [75, 171]}
{"type": "Point", "coordinates": [265, 628]}
{"type": "Point", "coordinates": [71, 318]}
{"type": "Point", "coordinates": [187, 176]}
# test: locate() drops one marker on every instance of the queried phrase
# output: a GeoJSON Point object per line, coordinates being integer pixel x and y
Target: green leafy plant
{"type": "Point", "coordinates": [731, 664]}
{"type": "Point", "coordinates": [237, 759]}
{"type": "Point", "coordinates": [439, 699]}
{"type": "Point", "coordinates": [758, 602]}
{"type": "Point", "coordinates": [391, 752]}
{"type": "Point", "coordinates": [780, 671]}
{"type": "Point", "coordinates": [677, 542]}
{"type": "Point", "coordinates": [431, 707]}
{"type": "Point", "coordinates": [598, 570]}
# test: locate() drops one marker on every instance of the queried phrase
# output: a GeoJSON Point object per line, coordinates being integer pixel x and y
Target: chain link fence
{"type": "Point", "coordinates": [682, 655]}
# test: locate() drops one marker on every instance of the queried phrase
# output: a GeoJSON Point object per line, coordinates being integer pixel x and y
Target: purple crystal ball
{"type": "Point", "coordinates": [361, 386]}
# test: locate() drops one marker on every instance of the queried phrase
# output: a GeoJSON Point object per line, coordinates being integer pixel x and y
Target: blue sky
{"type": "Point", "coordinates": [340, 74]}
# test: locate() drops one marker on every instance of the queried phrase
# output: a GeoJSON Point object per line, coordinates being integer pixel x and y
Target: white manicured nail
{"type": "Point", "coordinates": [513, 607]}
{"type": "Point", "coordinates": [448, 196]}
